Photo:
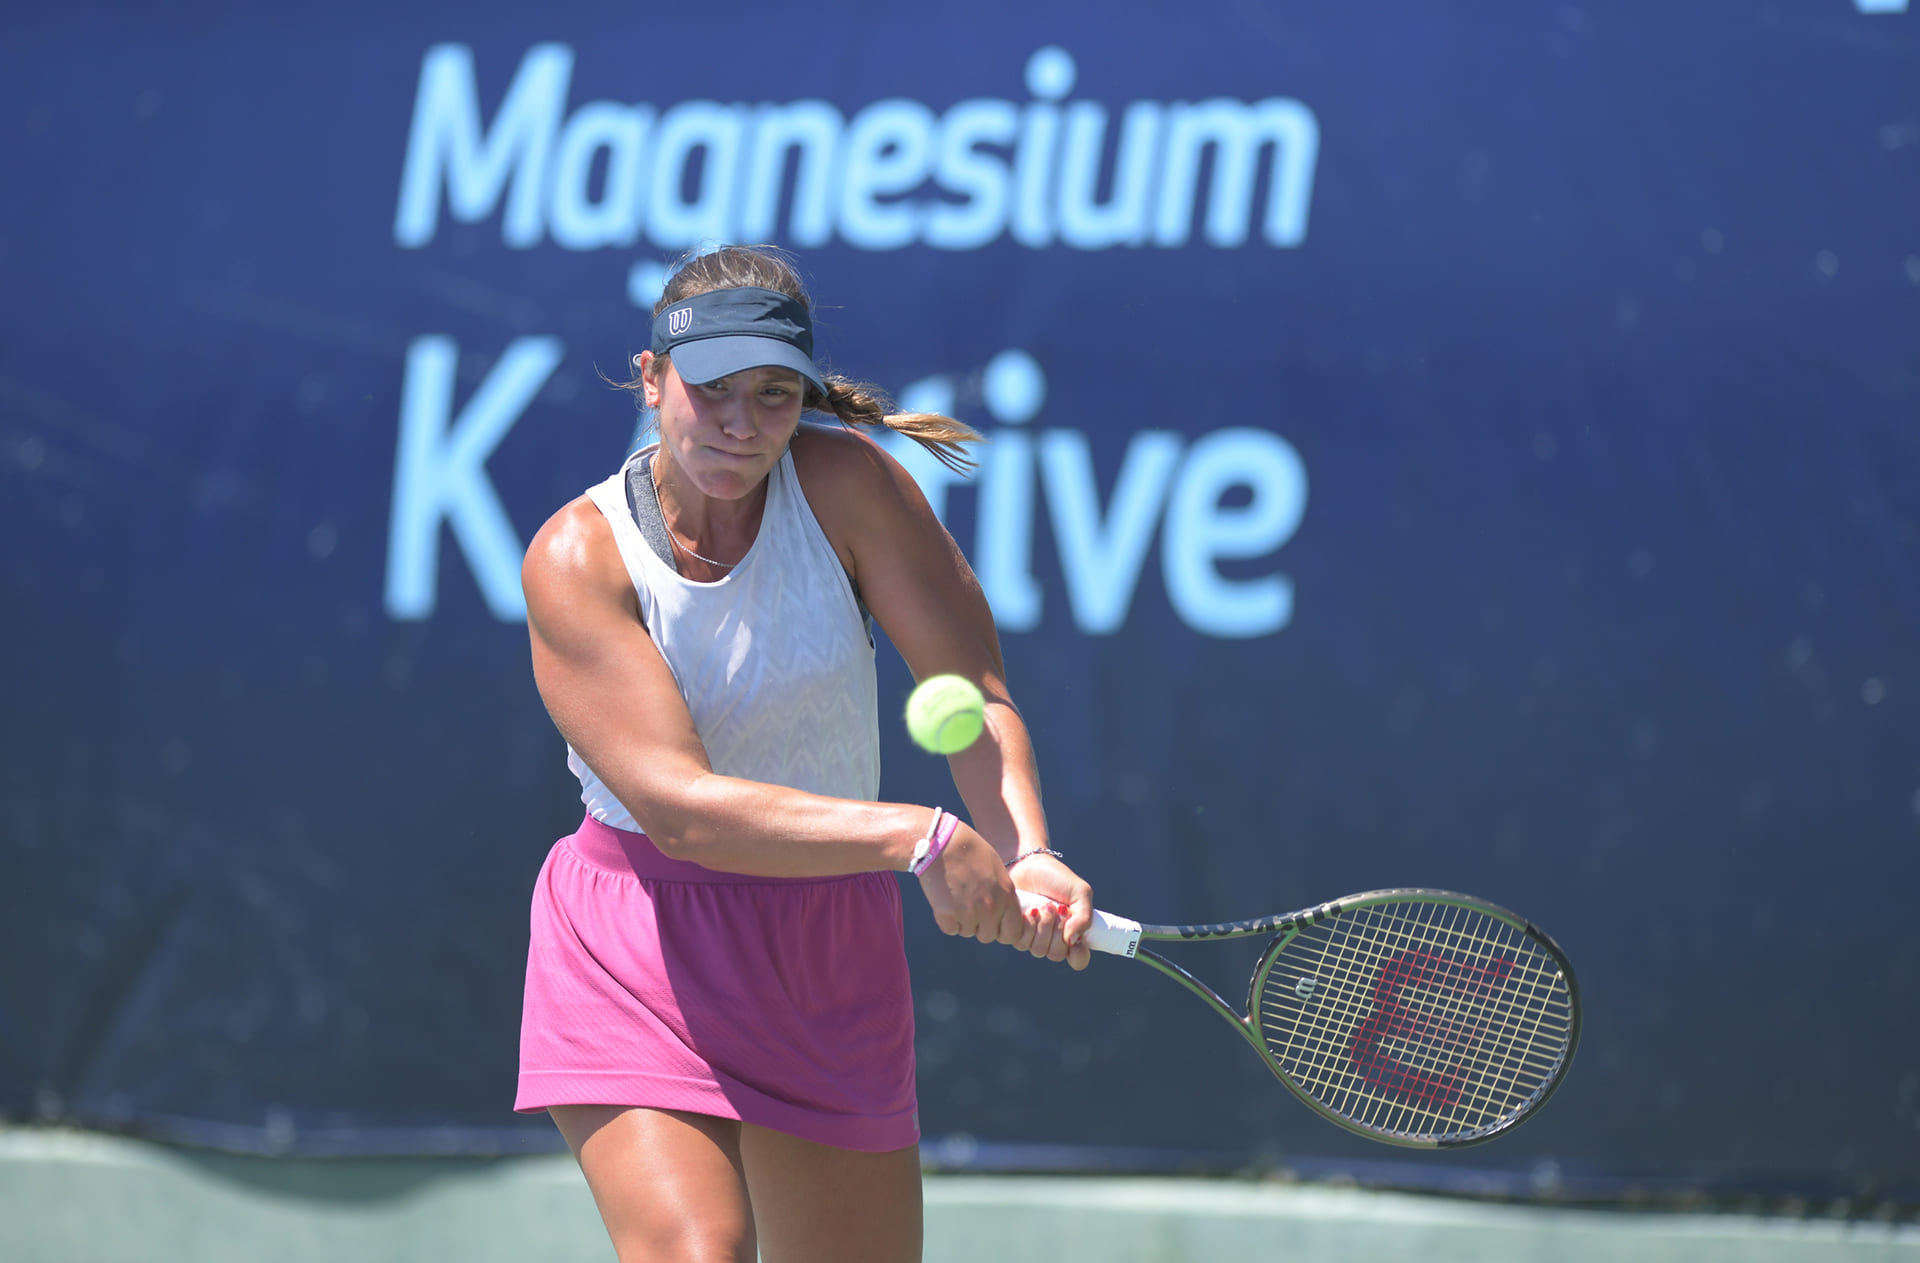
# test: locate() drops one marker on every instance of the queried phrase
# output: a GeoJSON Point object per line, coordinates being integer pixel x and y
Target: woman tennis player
{"type": "Point", "coordinates": [717, 1012]}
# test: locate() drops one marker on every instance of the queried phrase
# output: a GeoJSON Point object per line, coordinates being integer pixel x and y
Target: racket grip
{"type": "Point", "coordinates": [1113, 935]}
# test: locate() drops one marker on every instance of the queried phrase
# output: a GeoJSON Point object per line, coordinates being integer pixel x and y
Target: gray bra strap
{"type": "Point", "coordinates": [644, 503]}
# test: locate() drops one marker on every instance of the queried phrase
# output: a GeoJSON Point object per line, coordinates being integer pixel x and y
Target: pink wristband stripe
{"type": "Point", "coordinates": [944, 825]}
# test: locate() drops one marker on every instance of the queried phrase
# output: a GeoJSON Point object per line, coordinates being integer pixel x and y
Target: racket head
{"type": "Point", "coordinates": [1422, 1018]}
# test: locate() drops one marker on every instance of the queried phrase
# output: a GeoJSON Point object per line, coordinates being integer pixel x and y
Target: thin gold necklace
{"type": "Point", "coordinates": [653, 468]}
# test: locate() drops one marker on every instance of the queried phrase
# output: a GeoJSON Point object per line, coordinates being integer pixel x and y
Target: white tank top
{"type": "Point", "coordinates": [774, 660]}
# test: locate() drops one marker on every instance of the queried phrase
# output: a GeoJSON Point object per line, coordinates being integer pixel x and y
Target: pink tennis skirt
{"type": "Point", "coordinates": [783, 1002]}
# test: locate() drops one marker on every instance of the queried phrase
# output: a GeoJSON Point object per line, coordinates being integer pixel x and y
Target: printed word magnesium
{"type": "Point", "coordinates": [608, 174]}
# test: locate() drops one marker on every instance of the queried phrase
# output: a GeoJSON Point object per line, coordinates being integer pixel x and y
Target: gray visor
{"type": "Point", "coordinates": [714, 335]}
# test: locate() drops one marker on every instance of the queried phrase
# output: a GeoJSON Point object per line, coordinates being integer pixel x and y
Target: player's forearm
{"type": "Point", "coordinates": [740, 826]}
{"type": "Point", "coordinates": [1000, 781]}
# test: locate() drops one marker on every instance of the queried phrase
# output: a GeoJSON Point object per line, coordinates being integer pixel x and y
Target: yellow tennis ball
{"type": "Point", "coordinates": [945, 714]}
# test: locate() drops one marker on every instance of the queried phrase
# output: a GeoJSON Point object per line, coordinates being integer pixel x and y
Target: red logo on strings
{"type": "Point", "coordinates": [1446, 1034]}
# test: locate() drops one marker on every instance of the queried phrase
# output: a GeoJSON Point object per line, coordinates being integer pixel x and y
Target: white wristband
{"type": "Point", "coordinates": [944, 823]}
{"type": "Point", "coordinates": [921, 858]}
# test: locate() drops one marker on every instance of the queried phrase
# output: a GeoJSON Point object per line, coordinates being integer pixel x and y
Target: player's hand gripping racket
{"type": "Point", "coordinates": [1415, 1017]}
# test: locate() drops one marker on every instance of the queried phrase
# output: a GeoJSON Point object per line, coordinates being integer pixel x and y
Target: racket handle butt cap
{"type": "Point", "coordinates": [1113, 935]}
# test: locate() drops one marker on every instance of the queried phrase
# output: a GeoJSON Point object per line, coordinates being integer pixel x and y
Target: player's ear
{"type": "Point", "coordinates": [652, 370]}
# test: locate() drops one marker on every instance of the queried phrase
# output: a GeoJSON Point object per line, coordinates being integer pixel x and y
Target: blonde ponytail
{"type": "Point", "coordinates": [861, 405]}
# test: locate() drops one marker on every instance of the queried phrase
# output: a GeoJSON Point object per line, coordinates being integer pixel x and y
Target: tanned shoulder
{"type": "Point", "coordinates": [841, 460]}
{"type": "Point", "coordinates": [855, 488]}
{"type": "Point", "coordinates": [571, 558]}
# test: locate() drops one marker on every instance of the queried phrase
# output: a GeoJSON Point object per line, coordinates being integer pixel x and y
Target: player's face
{"type": "Point", "coordinates": [726, 435]}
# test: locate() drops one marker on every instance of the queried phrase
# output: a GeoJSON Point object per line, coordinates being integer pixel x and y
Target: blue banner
{"type": "Point", "coordinates": [1470, 448]}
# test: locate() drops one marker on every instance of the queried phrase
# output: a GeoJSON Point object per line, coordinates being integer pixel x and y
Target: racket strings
{"type": "Point", "coordinates": [1426, 1019]}
{"type": "Point", "coordinates": [1404, 1055]}
{"type": "Point", "coordinates": [1427, 1052]}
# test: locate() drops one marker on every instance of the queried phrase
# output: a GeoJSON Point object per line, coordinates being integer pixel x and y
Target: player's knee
{"type": "Point", "coordinates": [685, 1242]}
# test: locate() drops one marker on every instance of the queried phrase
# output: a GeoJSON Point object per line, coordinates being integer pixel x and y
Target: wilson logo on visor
{"type": "Point", "coordinates": [678, 322]}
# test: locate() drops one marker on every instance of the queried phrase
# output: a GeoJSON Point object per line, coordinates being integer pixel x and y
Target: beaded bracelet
{"type": "Point", "coordinates": [928, 849]}
{"type": "Point", "coordinates": [1039, 850]}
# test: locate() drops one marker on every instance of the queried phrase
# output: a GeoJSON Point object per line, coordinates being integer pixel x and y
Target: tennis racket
{"type": "Point", "coordinates": [1420, 1018]}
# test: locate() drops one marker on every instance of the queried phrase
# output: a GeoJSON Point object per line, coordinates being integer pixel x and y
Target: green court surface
{"type": "Point", "coordinates": [72, 1197]}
